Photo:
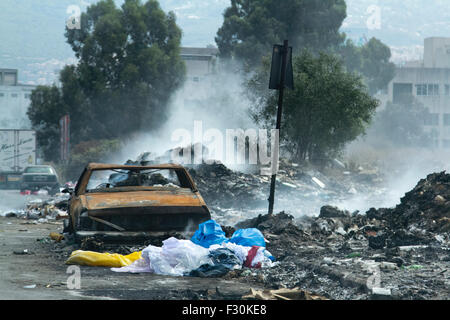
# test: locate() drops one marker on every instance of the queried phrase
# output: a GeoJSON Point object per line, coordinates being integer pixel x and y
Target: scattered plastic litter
{"type": "Point", "coordinates": [91, 258]}
{"type": "Point", "coordinates": [209, 233]}
{"type": "Point", "coordinates": [184, 257]}
{"type": "Point", "coordinates": [248, 238]}
{"type": "Point", "coordinates": [222, 261]}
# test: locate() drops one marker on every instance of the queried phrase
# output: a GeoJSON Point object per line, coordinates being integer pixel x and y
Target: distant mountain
{"type": "Point", "coordinates": [32, 31]}
{"type": "Point", "coordinates": [404, 24]}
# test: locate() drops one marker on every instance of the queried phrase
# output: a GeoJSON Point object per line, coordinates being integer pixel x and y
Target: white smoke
{"type": "Point", "coordinates": [401, 168]}
{"type": "Point", "coordinates": [216, 101]}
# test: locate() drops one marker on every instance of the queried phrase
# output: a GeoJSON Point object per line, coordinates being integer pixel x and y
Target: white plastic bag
{"type": "Point", "coordinates": [174, 258]}
{"type": "Point", "coordinates": [177, 257]}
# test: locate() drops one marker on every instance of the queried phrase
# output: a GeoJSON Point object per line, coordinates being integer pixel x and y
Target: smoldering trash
{"type": "Point", "coordinates": [384, 253]}
{"type": "Point", "coordinates": [196, 257]}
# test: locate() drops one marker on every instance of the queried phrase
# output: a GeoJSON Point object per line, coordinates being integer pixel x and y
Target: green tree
{"type": "Point", "coordinates": [371, 60]}
{"type": "Point", "coordinates": [251, 28]}
{"type": "Point", "coordinates": [46, 108]}
{"type": "Point", "coordinates": [328, 107]}
{"type": "Point", "coordinates": [401, 124]}
{"type": "Point", "coordinates": [90, 151]}
{"type": "Point", "coordinates": [128, 66]}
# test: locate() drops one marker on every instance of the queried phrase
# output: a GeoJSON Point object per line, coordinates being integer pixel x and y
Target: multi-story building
{"type": "Point", "coordinates": [200, 62]}
{"type": "Point", "coordinates": [14, 100]}
{"type": "Point", "coordinates": [428, 81]}
{"type": "Point", "coordinates": [201, 67]}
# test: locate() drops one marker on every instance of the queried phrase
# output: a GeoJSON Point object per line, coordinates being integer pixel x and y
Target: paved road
{"type": "Point", "coordinates": [43, 268]}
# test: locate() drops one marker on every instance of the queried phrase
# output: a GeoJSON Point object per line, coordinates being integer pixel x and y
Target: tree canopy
{"type": "Point", "coordinates": [371, 60]}
{"type": "Point", "coordinates": [402, 124]}
{"type": "Point", "coordinates": [327, 108]}
{"type": "Point", "coordinates": [128, 66]}
{"type": "Point", "coordinates": [251, 28]}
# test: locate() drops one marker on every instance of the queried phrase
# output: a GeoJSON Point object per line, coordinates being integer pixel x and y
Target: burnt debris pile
{"type": "Point", "coordinates": [388, 253]}
{"type": "Point", "coordinates": [224, 188]}
{"type": "Point", "coordinates": [426, 207]}
{"type": "Point", "coordinates": [280, 231]}
{"type": "Point", "coordinates": [422, 217]}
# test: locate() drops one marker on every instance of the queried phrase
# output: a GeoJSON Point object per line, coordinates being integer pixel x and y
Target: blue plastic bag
{"type": "Point", "coordinates": [248, 238]}
{"type": "Point", "coordinates": [209, 233]}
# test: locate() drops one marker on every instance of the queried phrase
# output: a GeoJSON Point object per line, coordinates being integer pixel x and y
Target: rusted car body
{"type": "Point", "coordinates": [131, 203]}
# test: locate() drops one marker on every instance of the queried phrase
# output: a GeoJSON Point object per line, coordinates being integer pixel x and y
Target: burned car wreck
{"type": "Point", "coordinates": [132, 203]}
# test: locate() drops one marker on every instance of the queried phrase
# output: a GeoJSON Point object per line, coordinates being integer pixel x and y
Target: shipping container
{"type": "Point", "coordinates": [17, 151]}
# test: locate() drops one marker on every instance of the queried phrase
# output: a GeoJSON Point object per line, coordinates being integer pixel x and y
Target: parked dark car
{"type": "Point", "coordinates": [40, 177]}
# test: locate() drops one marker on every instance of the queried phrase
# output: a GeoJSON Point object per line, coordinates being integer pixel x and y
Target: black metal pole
{"type": "Point", "coordinates": [280, 109]}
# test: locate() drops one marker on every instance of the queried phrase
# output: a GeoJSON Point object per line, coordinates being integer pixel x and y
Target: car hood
{"type": "Point", "coordinates": [135, 199]}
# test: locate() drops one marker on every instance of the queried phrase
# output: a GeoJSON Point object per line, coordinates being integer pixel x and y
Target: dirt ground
{"type": "Point", "coordinates": [40, 272]}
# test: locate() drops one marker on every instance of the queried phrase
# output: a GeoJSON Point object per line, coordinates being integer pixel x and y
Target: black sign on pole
{"type": "Point", "coordinates": [281, 76]}
{"type": "Point", "coordinates": [276, 69]}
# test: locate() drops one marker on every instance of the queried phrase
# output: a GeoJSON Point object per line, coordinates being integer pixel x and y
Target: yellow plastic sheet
{"type": "Point", "coordinates": [91, 258]}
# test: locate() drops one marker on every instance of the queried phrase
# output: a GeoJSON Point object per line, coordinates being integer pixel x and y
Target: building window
{"type": "Point", "coordinates": [431, 119]}
{"type": "Point", "coordinates": [421, 89]}
{"type": "Point", "coordinates": [14, 95]}
{"type": "Point", "coordinates": [9, 78]}
{"type": "Point", "coordinates": [402, 92]}
{"type": "Point", "coordinates": [433, 89]}
{"type": "Point", "coordinates": [2, 94]}
{"type": "Point", "coordinates": [447, 89]}
{"type": "Point", "coordinates": [427, 89]}
{"type": "Point", "coordinates": [196, 79]}
{"type": "Point", "coordinates": [27, 96]}
{"type": "Point", "coordinates": [447, 119]}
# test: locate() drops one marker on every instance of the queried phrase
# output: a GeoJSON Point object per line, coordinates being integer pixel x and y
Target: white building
{"type": "Point", "coordinates": [201, 67]}
{"type": "Point", "coordinates": [14, 100]}
{"type": "Point", "coordinates": [428, 81]}
{"type": "Point", "coordinates": [200, 62]}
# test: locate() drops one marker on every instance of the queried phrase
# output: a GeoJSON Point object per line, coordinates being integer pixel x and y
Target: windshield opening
{"type": "Point", "coordinates": [45, 170]}
{"type": "Point", "coordinates": [108, 180]}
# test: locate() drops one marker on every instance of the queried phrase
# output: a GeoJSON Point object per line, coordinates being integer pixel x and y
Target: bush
{"type": "Point", "coordinates": [89, 151]}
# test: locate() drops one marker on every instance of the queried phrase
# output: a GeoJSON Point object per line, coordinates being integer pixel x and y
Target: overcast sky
{"type": "Point", "coordinates": [32, 31]}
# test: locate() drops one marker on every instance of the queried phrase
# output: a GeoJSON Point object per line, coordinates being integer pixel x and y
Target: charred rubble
{"type": "Point", "coordinates": [341, 255]}
{"type": "Point", "coordinates": [386, 253]}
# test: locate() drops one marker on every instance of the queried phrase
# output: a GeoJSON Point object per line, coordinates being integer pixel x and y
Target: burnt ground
{"type": "Point", "coordinates": [345, 266]}
{"type": "Point", "coordinates": [341, 270]}
{"type": "Point", "coordinates": [399, 253]}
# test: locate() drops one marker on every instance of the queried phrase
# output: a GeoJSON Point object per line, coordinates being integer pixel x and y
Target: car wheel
{"type": "Point", "coordinates": [68, 226]}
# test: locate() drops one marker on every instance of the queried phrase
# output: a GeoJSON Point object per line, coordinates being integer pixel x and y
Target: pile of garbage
{"type": "Point", "coordinates": [209, 253]}
{"type": "Point", "coordinates": [302, 191]}
{"type": "Point", "coordinates": [422, 217]}
{"type": "Point", "coordinates": [398, 253]}
{"type": "Point", "coordinates": [42, 211]}
{"type": "Point", "coordinates": [426, 207]}
{"type": "Point", "coordinates": [224, 188]}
